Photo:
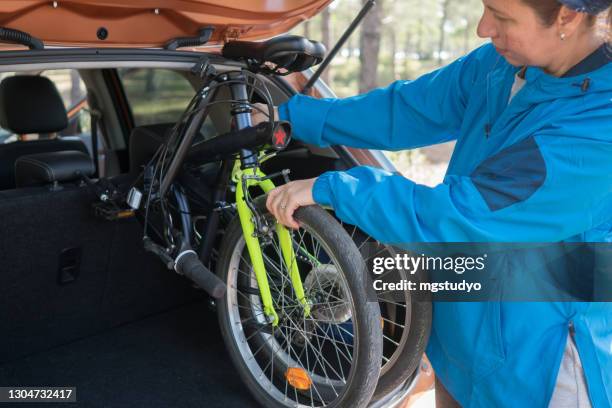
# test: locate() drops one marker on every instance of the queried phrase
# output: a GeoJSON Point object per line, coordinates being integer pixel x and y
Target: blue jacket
{"type": "Point", "coordinates": [538, 169]}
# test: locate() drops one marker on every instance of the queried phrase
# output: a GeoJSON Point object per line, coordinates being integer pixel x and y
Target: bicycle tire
{"type": "Point", "coordinates": [402, 354]}
{"type": "Point", "coordinates": [409, 357]}
{"type": "Point", "coordinates": [365, 320]}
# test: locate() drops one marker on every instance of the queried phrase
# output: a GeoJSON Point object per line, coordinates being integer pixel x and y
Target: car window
{"type": "Point", "coordinates": [74, 95]}
{"type": "Point", "coordinates": [155, 95]}
{"type": "Point", "coordinates": [69, 84]}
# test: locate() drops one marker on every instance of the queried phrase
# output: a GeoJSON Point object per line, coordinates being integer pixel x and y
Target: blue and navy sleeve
{"type": "Point", "coordinates": [406, 114]}
{"type": "Point", "coordinates": [546, 188]}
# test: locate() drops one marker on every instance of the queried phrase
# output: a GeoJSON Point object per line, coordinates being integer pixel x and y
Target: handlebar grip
{"type": "Point", "coordinates": [188, 264]}
{"type": "Point", "coordinates": [276, 136]}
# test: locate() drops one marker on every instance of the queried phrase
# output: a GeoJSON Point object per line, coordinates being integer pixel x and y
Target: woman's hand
{"type": "Point", "coordinates": [258, 115]}
{"type": "Point", "coordinates": [284, 200]}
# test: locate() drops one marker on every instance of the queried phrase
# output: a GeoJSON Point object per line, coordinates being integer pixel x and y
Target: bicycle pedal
{"type": "Point", "coordinates": [110, 212]}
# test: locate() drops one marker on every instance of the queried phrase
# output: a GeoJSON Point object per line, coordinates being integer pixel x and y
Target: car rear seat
{"type": "Point", "coordinates": [144, 142]}
{"type": "Point", "coordinates": [52, 168]}
{"type": "Point", "coordinates": [31, 104]}
{"type": "Point", "coordinates": [64, 273]}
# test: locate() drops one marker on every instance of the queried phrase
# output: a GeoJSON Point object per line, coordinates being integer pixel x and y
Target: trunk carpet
{"type": "Point", "coordinates": [174, 359]}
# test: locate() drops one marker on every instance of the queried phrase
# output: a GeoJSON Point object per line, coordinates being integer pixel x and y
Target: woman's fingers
{"type": "Point", "coordinates": [283, 201]}
{"type": "Point", "coordinates": [274, 200]}
{"type": "Point", "coordinates": [260, 113]}
{"type": "Point", "coordinates": [257, 116]}
{"type": "Point", "coordinates": [270, 199]}
{"type": "Point", "coordinates": [287, 207]}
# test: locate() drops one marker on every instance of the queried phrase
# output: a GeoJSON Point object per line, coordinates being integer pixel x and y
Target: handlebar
{"type": "Point", "coordinates": [274, 135]}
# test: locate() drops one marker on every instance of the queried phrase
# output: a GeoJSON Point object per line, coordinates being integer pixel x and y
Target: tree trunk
{"type": "Point", "coordinates": [407, 52]}
{"type": "Point", "coordinates": [393, 45]}
{"type": "Point", "coordinates": [467, 35]}
{"type": "Point", "coordinates": [419, 42]}
{"type": "Point", "coordinates": [326, 39]}
{"type": "Point", "coordinates": [445, 5]}
{"type": "Point", "coordinates": [307, 29]}
{"type": "Point", "coordinates": [350, 44]}
{"type": "Point", "coordinates": [75, 87]}
{"type": "Point", "coordinates": [150, 81]}
{"type": "Point", "coordinates": [369, 45]}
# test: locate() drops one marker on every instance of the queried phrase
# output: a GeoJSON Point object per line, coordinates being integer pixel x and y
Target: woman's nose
{"type": "Point", "coordinates": [486, 27]}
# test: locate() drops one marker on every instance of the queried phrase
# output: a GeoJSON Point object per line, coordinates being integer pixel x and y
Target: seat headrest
{"type": "Point", "coordinates": [48, 168]}
{"type": "Point", "coordinates": [31, 104]}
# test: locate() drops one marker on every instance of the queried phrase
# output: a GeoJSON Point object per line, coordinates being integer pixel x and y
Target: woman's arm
{"type": "Point", "coordinates": [545, 188]}
{"type": "Point", "coordinates": [406, 114]}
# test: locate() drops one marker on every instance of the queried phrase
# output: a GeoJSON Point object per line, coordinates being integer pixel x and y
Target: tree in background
{"type": "Point", "coordinates": [75, 87]}
{"type": "Point", "coordinates": [403, 40]}
{"type": "Point", "coordinates": [306, 26]}
{"type": "Point", "coordinates": [442, 35]}
{"type": "Point", "coordinates": [326, 40]}
{"type": "Point", "coordinates": [369, 46]}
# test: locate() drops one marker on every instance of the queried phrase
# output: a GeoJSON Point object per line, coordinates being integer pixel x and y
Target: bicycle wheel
{"type": "Point", "coordinates": [406, 321]}
{"type": "Point", "coordinates": [328, 358]}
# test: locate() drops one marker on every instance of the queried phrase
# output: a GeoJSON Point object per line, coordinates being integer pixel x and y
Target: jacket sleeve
{"type": "Point", "coordinates": [406, 114]}
{"type": "Point", "coordinates": [544, 189]}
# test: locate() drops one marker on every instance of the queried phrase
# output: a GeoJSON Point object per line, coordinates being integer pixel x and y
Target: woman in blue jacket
{"type": "Point", "coordinates": [532, 117]}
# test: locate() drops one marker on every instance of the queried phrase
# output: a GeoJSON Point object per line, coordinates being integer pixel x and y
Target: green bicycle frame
{"type": "Point", "coordinates": [254, 177]}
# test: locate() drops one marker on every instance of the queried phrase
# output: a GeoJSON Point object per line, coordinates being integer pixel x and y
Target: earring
{"type": "Point", "coordinates": [562, 36]}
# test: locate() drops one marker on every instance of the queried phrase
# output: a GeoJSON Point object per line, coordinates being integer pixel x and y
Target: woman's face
{"type": "Point", "coordinates": [518, 33]}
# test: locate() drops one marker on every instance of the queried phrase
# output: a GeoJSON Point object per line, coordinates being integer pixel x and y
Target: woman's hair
{"type": "Point", "coordinates": [548, 11]}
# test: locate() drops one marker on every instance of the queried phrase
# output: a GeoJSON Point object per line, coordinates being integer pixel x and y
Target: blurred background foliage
{"type": "Point", "coordinates": [415, 37]}
{"type": "Point", "coordinates": [398, 40]}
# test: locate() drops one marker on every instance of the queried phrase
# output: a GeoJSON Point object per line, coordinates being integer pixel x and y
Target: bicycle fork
{"type": "Point", "coordinates": [246, 173]}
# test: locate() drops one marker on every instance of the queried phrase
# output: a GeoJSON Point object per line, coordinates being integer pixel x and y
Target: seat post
{"type": "Point", "coordinates": [241, 111]}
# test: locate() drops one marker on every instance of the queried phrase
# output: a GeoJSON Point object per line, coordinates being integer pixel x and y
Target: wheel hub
{"type": "Point", "coordinates": [328, 293]}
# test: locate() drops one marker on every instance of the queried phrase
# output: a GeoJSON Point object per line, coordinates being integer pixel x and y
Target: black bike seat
{"type": "Point", "coordinates": [290, 52]}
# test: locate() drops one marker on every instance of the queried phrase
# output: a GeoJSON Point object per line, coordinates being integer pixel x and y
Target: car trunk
{"type": "Point", "coordinates": [171, 358]}
{"type": "Point", "coordinates": [83, 305]}
{"type": "Point", "coordinates": [119, 23]}
{"type": "Point", "coordinates": [91, 309]}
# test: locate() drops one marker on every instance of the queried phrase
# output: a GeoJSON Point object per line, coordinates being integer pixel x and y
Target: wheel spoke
{"type": "Point", "coordinates": [308, 342]}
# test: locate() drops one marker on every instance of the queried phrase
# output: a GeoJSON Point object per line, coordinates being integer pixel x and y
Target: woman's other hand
{"type": "Point", "coordinates": [258, 115]}
{"type": "Point", "coordinates": [284, 200]}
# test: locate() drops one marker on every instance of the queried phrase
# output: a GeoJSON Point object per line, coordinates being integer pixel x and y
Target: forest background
{"type": "Point", "coordinates": [398, 40]}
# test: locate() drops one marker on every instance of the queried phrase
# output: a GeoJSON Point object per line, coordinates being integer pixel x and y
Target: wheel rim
{"type": "Point", "coordinates": [323, 345]}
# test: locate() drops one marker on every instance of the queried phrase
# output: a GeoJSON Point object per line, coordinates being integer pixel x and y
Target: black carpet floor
{"type": "Point", "coordinates": [175, 359]}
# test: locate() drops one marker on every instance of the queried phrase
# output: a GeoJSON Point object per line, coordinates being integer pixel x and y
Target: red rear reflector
{"type": "Point", "coordinates": [279, 137]}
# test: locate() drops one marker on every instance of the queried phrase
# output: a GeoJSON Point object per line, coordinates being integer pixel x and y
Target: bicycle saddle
{"type": "Point", "coordinates": [289, 52]}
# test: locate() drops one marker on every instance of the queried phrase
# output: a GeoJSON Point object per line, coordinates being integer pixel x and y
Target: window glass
{"type": "Point", "coordinates": [155, 95]}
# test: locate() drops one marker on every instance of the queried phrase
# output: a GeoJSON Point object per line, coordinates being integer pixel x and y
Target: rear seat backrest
{"type": "Point", "coordinates": [144, 142]}
{"type": "Point", "coordinates": [52, 168]}
{"type": "Point", "coordinates": [30, 104]}
{"type": "Point", "coordinates": [66, 274]}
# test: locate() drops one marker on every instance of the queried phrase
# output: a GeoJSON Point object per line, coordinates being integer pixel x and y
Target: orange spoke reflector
{"type": "Point", "coordinates": [298, 378]}
{"type": "Point", "coordinates": [125, 214]}
{"type": "Point", "coordinates": [382, 323]}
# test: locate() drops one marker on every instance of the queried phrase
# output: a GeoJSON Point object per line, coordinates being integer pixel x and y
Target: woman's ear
{"type": "Point", "coordinates": [568, 22]}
